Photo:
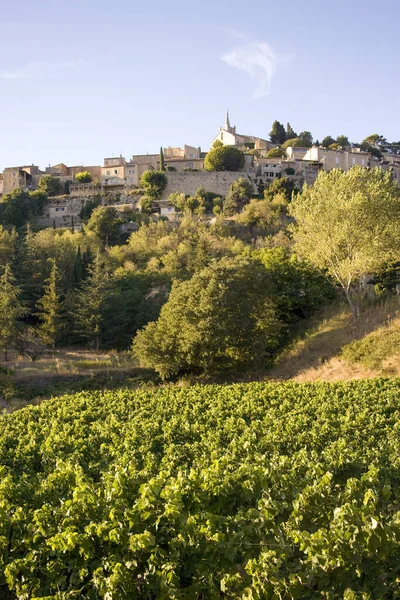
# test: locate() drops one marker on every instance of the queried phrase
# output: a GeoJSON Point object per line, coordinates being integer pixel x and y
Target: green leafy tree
{"type": "Point", "coordinates": [224, 158]}
{"type": "Point", "coordinates": [84, 177]}
{"type": "Point", "coordinates": [239, 194]}
{"type": "Point", "coordinates": [335, 146]}
{"type": "Point", "coordinates": [11, 310]}
{"type": "Point", "coordinates": [343, 140]}
{"type": "Point", "coordinates": [277, 134]}
{"type": "Point", "coordinates": [50, 185]}
{"type": "Point", "coordinates": [327, 141]}
{"type": "Point", "coordinates": [222, 318]}
{"type": "Point", "coordinates": [297, 143]}
{"type": "Point", "coordinates": [153, 183]}
{"type": "Point", "coordinates": [51, 310]}
{"type": "Point", "coordinates": [89, 307]}
{"type": "Point", "coordinates": [306, 138]}
{"type": "Point", "coordinates": [290, 134]}
{"type": "Point", "coordinates": [276, 153]}
{"type": "Point", "coordinates": [105, 224]}
{"type": "Point", "coordinates": [19, 207]}
{"type": "Point", "coordinates": [162, 161]}
{"type": "Point", "coordinates": [281, 186]}
{"type": "Point", "coordinates": [348, 223]}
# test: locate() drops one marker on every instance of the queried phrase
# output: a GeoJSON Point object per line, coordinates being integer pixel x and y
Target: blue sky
{"type": "Point", "coordinates": [85, 79]}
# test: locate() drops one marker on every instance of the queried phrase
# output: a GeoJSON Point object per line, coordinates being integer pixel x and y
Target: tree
{"type": "Point", "coordinates": [50, 185]}
{"type": "Point", "coordinates": [277, 134]}
{"type": "Point", "coordinates": [11, 309]}
{"type": "Point", "coordinates": [162, 161]}
{"type": "Point", "coordinates": [105, 223]}
{"type": "Point", "coordinates": [343, 140]}
{"type": "Point", "coordinates": [276, 153]}
{"type": "Point", "coordinates": [18, 207]}
{"type": "Point", "coordinates": [239, 194]}
{"type": "Point", "coordinates": [88, 311]}
{"type": "Point", "coordinates": [334, 146]}
{"type": "Point", "coordinates": [258, 213]}
{"type": "Point", "coordinates": [283, 185]}
{"type": "Point", "coordinates": [296, 143]}
{"type": "Point", "coordinates": [223, 318]}
{"type": "Point", "coordinates": [153, 183]}
{"type": "Point", "coordinates": [290, 134]}
{"type": "Point", "coordinates": [375, 144]}
{"type": "Point", "coordinates": [306, 138]}
{"type": "Point", "coordinates": [224, 158]}
{"type": "Point", "coordinates": [51, 307]}
{"type": "Point", "coordinates": [348, 223]}
{"type": "Point", "coordinates": [327, 141]}
{"type": "Point", "coordinates": [84, 177]}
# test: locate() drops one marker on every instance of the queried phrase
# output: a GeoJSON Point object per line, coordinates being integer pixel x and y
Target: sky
{"type": "Point", "coordinates": [83, 80]}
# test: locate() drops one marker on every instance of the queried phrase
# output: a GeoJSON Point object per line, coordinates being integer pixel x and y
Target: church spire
{"type": "Point", "coordinates": [227, 124]}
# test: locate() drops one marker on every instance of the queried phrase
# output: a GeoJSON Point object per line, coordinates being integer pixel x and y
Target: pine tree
{"type": "Point", "coordinates": [290, 133]}
{"type": "Point", "coordinates": [79, 269]}
{"type": "Point", "coordinates": [11, 309]}
{"type": "Point", "coordinates": [90, 302]}
{"type": "Point", "coordinates": [162, 161]}
{"type": "Point", "coordinates": [278, 134]}
{"type": "Point", "coordinates": [51, 309]}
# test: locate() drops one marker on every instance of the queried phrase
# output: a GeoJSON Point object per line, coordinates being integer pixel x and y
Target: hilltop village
{"type": "Point", "coordinates": [117, 181]}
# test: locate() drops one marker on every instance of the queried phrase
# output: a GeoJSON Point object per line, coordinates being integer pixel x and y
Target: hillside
{"type": "Point", "coordinates": [334, 348]}
{"type": "Point", "coordinates": [242, 491]}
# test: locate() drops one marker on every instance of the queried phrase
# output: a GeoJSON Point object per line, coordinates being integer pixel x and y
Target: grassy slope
{"type": "Point", "coordinates": [317, 355]}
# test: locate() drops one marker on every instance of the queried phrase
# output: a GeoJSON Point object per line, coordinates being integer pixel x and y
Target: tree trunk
{"type": "Point", "coordinates": [353, 307]}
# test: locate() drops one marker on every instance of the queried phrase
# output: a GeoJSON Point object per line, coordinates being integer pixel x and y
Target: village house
{"type": "Point", "coordinates": [25, 177]}
{"type": "Point", "coordinates": [339, 159]}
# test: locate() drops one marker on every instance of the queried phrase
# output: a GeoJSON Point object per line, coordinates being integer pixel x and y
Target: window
{"type": "Point", "coordinates": [115, 171]}
{"type": "Point", "coordinates": [107, 173]}
{"type": "Point", "coordinates": [337, 160]}
{"type": "Point", "coordinates": [60, 209]}
{"type": "Point", "coordinates": [353, 161]}
{"type": "Point", "coordinates": [363, 162]}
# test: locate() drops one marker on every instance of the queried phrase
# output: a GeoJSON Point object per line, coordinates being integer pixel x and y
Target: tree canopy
{"type": "Point", "coordinates": [154, 183]}
{"type": "Point", "coordinates": [84, 177]}
{"type": "Point", "coordinates": [224, 158]}
{"type": "Point", "coordinates": [348, 223]}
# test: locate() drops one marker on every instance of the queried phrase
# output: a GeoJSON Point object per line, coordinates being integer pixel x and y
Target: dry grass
{"type": "Point", "coordinates": [317, 355]}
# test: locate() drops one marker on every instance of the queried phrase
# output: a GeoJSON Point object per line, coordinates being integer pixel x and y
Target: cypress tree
{"type": "Point", "coordinates": [90, 302]}
{"type": "Point", "coordinates": [11, 309]}
{"type": "Point", "coordinates": [162, 161]}
{"type": "Point", "coordinates": [51, 308]}
{"type": "Point", "coordinates": [277, 134]}
{"type": "Point", "coordinates": [290, 133]}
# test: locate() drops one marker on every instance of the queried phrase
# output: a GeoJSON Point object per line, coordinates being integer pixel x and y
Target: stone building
{"type": "Point", "coordinates": [229, 137]}
{"type": "Point", "coordinates": [26, 178]}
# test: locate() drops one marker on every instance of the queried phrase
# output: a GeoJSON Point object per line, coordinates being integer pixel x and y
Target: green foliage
{"type": "Point", "coordinates": [162, 161]}
{"type": "Point", "coordinates": [19, 207]}
{"type": "Point", "coordinates": [224, 158]}
{"type": "Point", "coordinates": [277, 134]}
{"type": "Point", "coordinates": [296, 143]}
{"type": "Point", "coordinates": [83, 177]}
{"type": "Point", "coordinates": [50, 185]}
{"type": "Point", "coordinates": [290, 134]}
{"type": "Point", "coordinates": [375, 349]}
{"type": "Point", "coordinates": [51, 309]}
{"type": "Point", "coordinates": [281, 186]}
{"type": "Point", "coordinates": [89, 206]}
{"type": "Point", "coordinates": [343, 140]}
{"type": "Point", "coordinates": [327, 141]}
{"type": "Point", "coordinates": [335, 146]}
{"type": "Point", "coordinates": [89, 307]}
{"type": "Point", "coordinates": [276, 153]}
{"type": "Point", "coordinates": [221, 319]}
{"type": "Point", "coordinates": [105, 224]}
{"type": "Point", "coordinates": [153, 183]}
{"type": "Point", "coordinates": [259, 213]}
{"type": "Point", "coordinates": [244, 491]}
{"type": "Point", "coordinates": [348, 223]}
{"type": "Point", "coordinates": [239, 194]}
{"type": "Point", "coordinates": [306, 138]}
{"type": "Point", "coordinates": [11, 309]}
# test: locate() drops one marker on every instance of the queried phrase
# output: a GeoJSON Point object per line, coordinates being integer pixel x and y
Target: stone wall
{"type": "Point", "coordinates": [188, 182]}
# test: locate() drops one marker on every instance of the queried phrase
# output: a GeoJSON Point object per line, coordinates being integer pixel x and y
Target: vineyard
{"type": "Point", "coordinates": [248, 491]}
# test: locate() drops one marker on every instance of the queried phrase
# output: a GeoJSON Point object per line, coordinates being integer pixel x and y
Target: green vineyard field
{"type": "Point", "coordinates": [246, 491]}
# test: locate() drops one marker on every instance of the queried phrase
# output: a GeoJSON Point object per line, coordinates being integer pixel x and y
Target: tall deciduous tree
{"type": "Point", "coordinates": [153, 183]}
{"type": "Point", "coordinates": [11, 309]}
{"type": "Point", "coordinates": [50, 185]}
{"type": "Point", "coordinates": [239, 194]}
{"type": "Point", "coordinates": [327, 141]}
{"type": "Point", "coordinates": [343, 141]}
{"type": "Point", "coordinates": [51, 309]}
{"type": "Point", "coordinates": [349, 224]}
{"type": "Point", "coordinates": [90, 302]}
{"type": "Point", "coordinates": [278, 133]}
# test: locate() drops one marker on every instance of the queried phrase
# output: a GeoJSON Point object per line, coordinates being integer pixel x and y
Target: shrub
{"type": "Point", "coordinates": [224, 158]}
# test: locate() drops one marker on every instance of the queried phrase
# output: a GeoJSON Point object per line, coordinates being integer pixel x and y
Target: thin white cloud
{"type": "Point", "coordinates": [259, 61]}
{"type": "Point", "coordinates": [40, 70]}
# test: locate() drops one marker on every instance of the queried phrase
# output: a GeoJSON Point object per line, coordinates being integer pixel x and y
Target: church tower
{"type": "Point", "coordinates": [228, 125]}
